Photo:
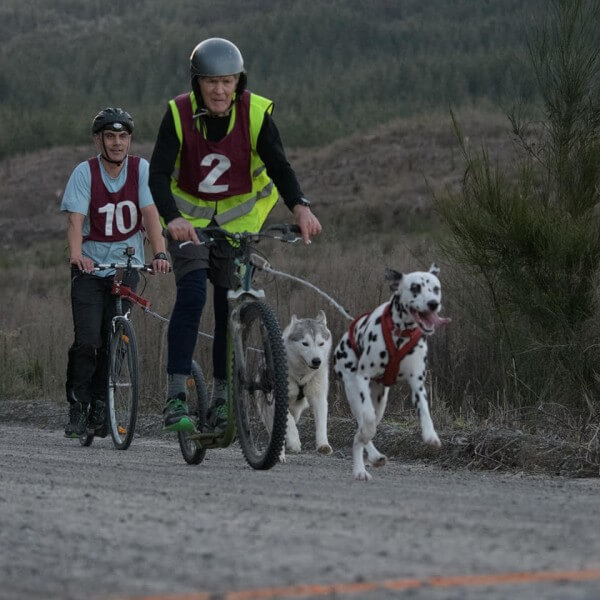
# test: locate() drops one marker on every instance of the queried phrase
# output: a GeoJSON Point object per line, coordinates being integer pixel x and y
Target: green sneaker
{"type": "Point", "coordinates": [77, 425]}
{"type": "Point", "coordinates": [176, 416]}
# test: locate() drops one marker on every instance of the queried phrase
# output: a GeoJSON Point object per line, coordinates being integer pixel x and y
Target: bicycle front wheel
{"type": "Point", "coordinates": [198, 404]}
{"type": "Point", "coordinates": [260, 385]}
{"type": "Point", "coordinates": [123, 386]}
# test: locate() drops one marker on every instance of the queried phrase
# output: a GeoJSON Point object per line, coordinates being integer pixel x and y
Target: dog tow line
{"type": "Point", "coordinates": [261, 263]}
{"type": "Point", "coordinates": [165, 320]}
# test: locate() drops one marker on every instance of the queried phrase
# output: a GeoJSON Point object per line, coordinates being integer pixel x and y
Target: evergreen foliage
{"type": "Point", "coordinates": [532, 232]}
{"type": "Point", "coordinates": [333, 67]}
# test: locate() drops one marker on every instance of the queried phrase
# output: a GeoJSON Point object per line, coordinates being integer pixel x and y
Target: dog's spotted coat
{"type": "Point", "coordinates": [415, 303]}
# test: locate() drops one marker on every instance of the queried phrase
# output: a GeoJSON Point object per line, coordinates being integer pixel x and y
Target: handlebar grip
{"type": "Point", "coordinates": [151, 270]}
{"type": "Point", "coordinates": [284, 227]}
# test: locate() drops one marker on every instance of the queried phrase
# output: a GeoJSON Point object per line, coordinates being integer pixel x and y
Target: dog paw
{"type": "Point", "coordinates": [324, 449]}
{"type": "Point", "coordinates": [380, 461]}
{"type": "Point", "coordinates": [293, 447]}
{"type": "Point", "coordinates": [282, 458]}
{"type": "Point", "coordinates": [432, 439]}
{"type": "Point", "coordinates": [362, 475]}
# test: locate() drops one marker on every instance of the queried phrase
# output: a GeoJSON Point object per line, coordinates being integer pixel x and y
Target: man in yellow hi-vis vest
{"type": "Point", "coordinates": [218, 159]}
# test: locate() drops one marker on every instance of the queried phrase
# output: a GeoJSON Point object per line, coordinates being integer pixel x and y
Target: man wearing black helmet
{"type": "Point", "coordinates": [218, 159]}
{"type": "Point", "coordinates": [108, 205]}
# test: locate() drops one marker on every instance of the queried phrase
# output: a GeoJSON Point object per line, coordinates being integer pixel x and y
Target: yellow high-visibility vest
{"type": "Point", "coordinates": [244, 212]}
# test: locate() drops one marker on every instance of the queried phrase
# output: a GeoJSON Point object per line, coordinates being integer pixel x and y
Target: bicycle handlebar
{"type": "Point", "coordinates": [284, 232]}
{"type": "Point", "coordinates": [105, 266]}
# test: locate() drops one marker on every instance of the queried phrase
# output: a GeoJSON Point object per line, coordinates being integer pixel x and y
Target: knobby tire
{"type": "Point", "coordinates": [198, 406]}
{"type": "Point", "coordinates": [123, 384]}
{"type": "Point", "coordinates": [260, 387]}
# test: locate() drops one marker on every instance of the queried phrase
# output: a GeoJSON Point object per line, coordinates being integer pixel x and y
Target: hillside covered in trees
{"type": "Point", "coordinates": [333, 67]}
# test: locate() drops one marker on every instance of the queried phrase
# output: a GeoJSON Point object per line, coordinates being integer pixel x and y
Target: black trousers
{"type": "Point", "coordinates": [93, 307]}
{"type": "Point", "coordinates": [192, 266]}
{"type": "Point", "coordinates": [183, 325]}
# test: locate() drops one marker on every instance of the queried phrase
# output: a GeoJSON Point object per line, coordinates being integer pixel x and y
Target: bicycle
{"type": "Point", "coordinates": [257, 402]}
{"type": "Point", "coordinates": [122, 391]}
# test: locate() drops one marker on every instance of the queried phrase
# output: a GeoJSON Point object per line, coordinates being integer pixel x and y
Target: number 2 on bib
{"type": "Point", "coordinates": [207, 185]}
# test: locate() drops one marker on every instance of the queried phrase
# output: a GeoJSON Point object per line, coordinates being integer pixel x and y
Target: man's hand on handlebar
{"type": "Point", "coordinates": [182, 231]}
{"type": "Point", "coordinates": [160, 265]}
{"type": "Point", "coordinates": [308, 223]}
{"type": "Point", "coordinates": [83, 263]}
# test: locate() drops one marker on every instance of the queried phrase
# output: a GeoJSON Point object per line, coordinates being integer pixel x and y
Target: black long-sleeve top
{"type": "Point", "coordinates": [269, 147]}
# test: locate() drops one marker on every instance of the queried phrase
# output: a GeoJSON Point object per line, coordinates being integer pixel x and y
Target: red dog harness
{"type": "Point", "coordinates": [396, 354]}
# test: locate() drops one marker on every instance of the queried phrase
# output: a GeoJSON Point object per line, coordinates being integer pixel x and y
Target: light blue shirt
{"type": "Point", "coordinates": [77, 196]}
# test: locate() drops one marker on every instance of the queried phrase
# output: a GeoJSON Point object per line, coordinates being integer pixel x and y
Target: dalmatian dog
{"type": "Point", "coordinates": [383, 347]}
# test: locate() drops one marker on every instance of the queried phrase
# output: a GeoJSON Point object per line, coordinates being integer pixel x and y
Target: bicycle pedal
{"type": "Point", "coordinates": [209, 440]}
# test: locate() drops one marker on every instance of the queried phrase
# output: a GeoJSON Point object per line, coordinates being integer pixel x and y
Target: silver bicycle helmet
{"type": "Point", "coordinates": [216, 57]}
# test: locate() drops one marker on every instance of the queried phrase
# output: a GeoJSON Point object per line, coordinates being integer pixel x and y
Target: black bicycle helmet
{"type": "Point", "coordinates": [217, 57]}
{"type": "Point", "coordinates": [112, 118]}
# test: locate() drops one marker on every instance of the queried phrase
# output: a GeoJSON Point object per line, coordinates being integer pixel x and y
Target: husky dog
{"type": "Point", "coordinates": [308, 345]}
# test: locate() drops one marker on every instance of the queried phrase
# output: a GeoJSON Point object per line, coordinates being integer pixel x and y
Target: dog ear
{"type": "Point", "coordinates": [395, 277]}
{"type": "Point", "coordinates": [321, 318]}
{"type": "Point", "coordinates": [293, 320]}
{"type": "Point", "coordinates": [434, 269]}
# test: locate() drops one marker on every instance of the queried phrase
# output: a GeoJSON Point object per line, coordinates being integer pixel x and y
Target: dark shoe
{"type": "Point", "coordinates": [96, 420]}
{"type": "Point", "coordinates": [176, 416]}
{"type": "Point", "coordinates": [77, 425]}
{"type": "Point", "coordinates": [219, 391]}
{"type": "Point", "coordinates": [217, 417]}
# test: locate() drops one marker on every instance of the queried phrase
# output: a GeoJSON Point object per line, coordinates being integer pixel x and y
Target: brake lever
{"type": "Point", "coordinates": [290, 238]}
{"type": "Point", "coordinates": [205, 239]}
{"type": "Point", "coordinates": [288, 233]}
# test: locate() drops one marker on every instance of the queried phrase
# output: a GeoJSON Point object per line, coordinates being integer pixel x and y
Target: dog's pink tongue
{"type": "Point", "coordinates": [438, 321]}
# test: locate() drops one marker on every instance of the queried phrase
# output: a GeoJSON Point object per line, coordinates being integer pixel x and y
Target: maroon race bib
{"type": "Point", "coordinates": [114, 216]}
{"type": "Point", "coordinates": [215, 170]}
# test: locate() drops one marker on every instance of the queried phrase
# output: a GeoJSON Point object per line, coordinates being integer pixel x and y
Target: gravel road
{"type": "Point", "coordinates": [105, 524]}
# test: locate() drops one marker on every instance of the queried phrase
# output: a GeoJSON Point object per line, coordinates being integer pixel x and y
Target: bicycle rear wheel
{"type": "Point", "coordinates": [123, 385]}
{"type": "Point", "coordinates": [198, 405]}
{"type": "Point", "coordinates": [260, 387]}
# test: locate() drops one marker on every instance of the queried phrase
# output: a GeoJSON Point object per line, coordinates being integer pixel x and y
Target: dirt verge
{"type": "Point", "coordinates": [485, 448]}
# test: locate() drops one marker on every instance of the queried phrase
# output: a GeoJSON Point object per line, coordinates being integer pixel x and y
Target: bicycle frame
{"type": "Point", "coordinates": [121, 322]}
{"type": "Point", "coordinates": [121, 291]}
{"type": "Point", "coordinates": [236, 299]}
{"type": "Point", "coordinates": [245, 292]}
